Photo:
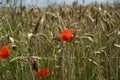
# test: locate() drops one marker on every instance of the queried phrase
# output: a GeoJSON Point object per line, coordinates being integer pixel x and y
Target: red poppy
{"type": "Point", "coordinates": [66, 35]}
{"type": "Point", "coordinates": [4, 52]}
{"type": "Point", "coordinates": [42, 72]}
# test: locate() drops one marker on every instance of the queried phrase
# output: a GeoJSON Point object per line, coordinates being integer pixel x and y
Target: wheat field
{"type": "Point", "coordinates": [32, 33]}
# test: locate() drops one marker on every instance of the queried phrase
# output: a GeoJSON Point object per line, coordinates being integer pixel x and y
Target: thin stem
{"type": "Point", "coordinates": [63, 61]}
{"type": "Point", "coordinates": [63, 65]}
{"type": "Point", "coordinates": [118, 54]}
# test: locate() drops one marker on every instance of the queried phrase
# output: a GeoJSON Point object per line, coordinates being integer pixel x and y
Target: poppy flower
{"type": "Point", "coordinates": [42, 72]}
{"type": "Point", "coordinates": [4, 52]}
{"type": "Point", "coordinates": [66, 35]}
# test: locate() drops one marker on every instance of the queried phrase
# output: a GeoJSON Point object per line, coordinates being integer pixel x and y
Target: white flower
{"type": "Point", "coordinates": [105, 11]}
{"type": "Point", "coordinates": [29, 35]}
{"type": "Point", "coordinates": [12, 40]}
{"type": "Point", "coordinates": [100, 8]}
{"type": "Point", "coordinates": [118, 33]}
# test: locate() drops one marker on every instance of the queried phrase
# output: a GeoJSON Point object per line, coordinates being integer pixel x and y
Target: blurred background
{"type": "Point", "coordinates": [44, 3]}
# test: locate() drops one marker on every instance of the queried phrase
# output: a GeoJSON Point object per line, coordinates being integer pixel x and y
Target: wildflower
{"type": "Point", "coordinates": [118, 33]}
{"type": "Point", "coordinates": [42, 72]}
{"type": "Point", "coordinates": [4, 52]}
{"type": "Point", "coordinates": [66, 35]}
{"type": "Point", "coordinates": [12, 40]}
{"type": "Point", "coordinates": [100, 8]}
{"type": "Point", "coordinates": [29, 35]}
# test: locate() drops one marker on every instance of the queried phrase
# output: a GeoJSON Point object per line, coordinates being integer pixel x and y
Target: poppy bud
{"type": "Point", "coordinates": [34, 65]}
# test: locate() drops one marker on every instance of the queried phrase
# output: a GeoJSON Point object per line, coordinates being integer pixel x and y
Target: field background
{"type": "Point", "coordinates": [92, 53]}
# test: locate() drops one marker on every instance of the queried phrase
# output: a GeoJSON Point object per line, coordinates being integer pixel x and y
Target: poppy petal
{"type": "Point", "coordinates": [4, 53]}
{"type": "Point", "coordinates": [66, 35]}
{"type": "Point", "coordinates": [43, 72]}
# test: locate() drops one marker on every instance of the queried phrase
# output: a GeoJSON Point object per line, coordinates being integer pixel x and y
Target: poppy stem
{"type": "Point", "coordinates": [72, 66]}
{"type": "Point", "coordinates": [63, 65]}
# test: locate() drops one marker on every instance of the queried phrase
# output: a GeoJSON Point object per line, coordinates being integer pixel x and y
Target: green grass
{"type": "Point", "coordinates": [92, 53]}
